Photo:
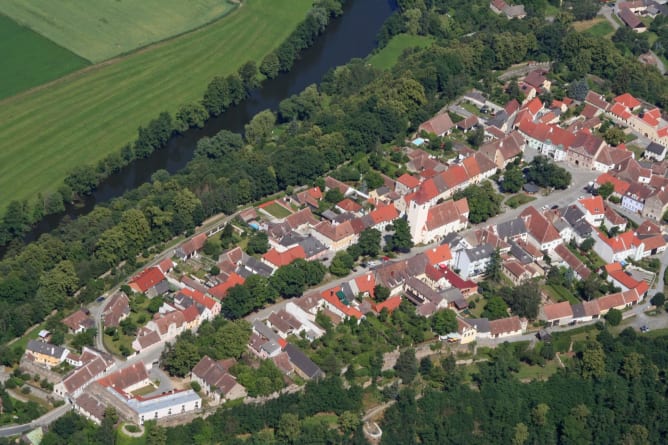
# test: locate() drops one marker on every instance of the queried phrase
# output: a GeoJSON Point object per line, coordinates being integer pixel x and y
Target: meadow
{"type": "Point", "coordinates": [85, 116]}
{"type": "Point", "coordinates": [100, 29]}
{"type": "Point", "coordinates": [388, 56]}
{"type": "Point", "coordinates": [28, 59]}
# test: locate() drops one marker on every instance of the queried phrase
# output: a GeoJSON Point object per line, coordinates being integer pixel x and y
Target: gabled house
{"type": "Point", "coordinates": [635, 197]}
{"type": "Point", "coordinates": [620, 186]}
{"type": "Point", "coordinates": [572, 262]}
{"type": "Point", "coordinates": [215, 380]}
{"type": "Point", "coordinates": [151, 282]}
{"type": "Point", "coordinates": [543, 234]}
{"type": "Point", "coordinates": [304, 366]}
{"type": "Point", "coordinates": [337, 237]}
{"type": "Point", "coordinates": [593, 209]}
{"type": "Point", "coordinates": [557, 314]}
{"type": "Point", "coordinates": [655, 151]}
{"type": "Point", "coordinates": [276, 259]}
{"type": "Point", "coordinates": [406, 184]}
{"type": "Point", "coordinates": [516, 272]}
{"type": "Point", "coordinates": [503, 151]}
{"type": "Point", "coordinates": [45, 353]}
{"type": "Point", "coordinates": [440, 125]}
{"type": "Point", "coordinates": [656, 204]}
{"type": "Point", "coordinates": [78, 322]}
{"type": "Point", "coordinates": [168, 326]}
{"type": "Point", "coordinates": [383, 216]}
{"type": "Point", "coordinates": [429, 223]}
{"type": "Point", "coordinates": [117, 310]}
{"type": "Point", "coordinates": [474, 262]}
{"type": "Point", "coordinates": [191, 248]}
{"type": "Point", "coordinates": [619, 247]}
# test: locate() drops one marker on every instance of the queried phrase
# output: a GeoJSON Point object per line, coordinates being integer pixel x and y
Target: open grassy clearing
{"type": "Point", "coordinates": [601, 29]}
{"type": "Point", "coordinates": [28, 59]}
{"type": "Point", "coordinates": [535, 372]}
{"type": "Point", "coordinates": [90, 114]}
{"type": "Point", "coordinates": [388, 56]}
{"type": "Point", "coordinates": [100, 29]}
{"type": "Point", "coordinates": [277, 210]}
{"type": "Point", "coordinates": [520, 199]}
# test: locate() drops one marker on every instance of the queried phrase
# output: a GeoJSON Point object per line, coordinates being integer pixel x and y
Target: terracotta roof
{"type": "Point", "coordinates": [515, 268]}
{"type": "Point", "coordinates": [194, 244]}
{"type": "Point", "coordinates": [573, 261]}
{"type": "Point", "coordinates": [147, 279]}
{"type": "Point", "coordinates": [455, 176]}
{"type": "Point", "coordinates": [147, 337]}
{"type": "Point", "coordinates": [654, 242]}
{"type": "Point", "coordinates": [332, 183]}
{"type": "Point", "coordinates": [620, 111]}
{"type": "Point", "coordinates": [366, 283]}
{"type": "Point", "coordinates": [652, 117]}
{"type": "Point", "coordinates": [621, 242]}
{"type": "Point", "coordinates": [386, 213]}
{"type": "Point", "coordinates": [220, 291]}
{"type": "Point", "coordinates": [535, 78]}
{"type": "Point", "coordinates": [512, 106]}
{"type": "Point", "coordinates": [408, 180]}
{"type": "Point", "coordinates": [118, 306]}
{"type": "Point", "coordinates": [85, 374]}
{"type": "Point", "coordinates": [608, 302]}
{"type": "Point", "coordinates": [335, 233]}
{"type": "Point", "coordinates": [279, 259]}
{"type": "Point", "coordinates": [391, 304]}
{"type": "Point", "coordinates": [557, 311]}
{"type": "Point", "coordinates": [597, 100]}
{"type": "Point", "coordinates": [330, 296]}
{"type": "Point", "coordinates": [468, 123]}
{"type": "Point", "coordinates": [615, 272]}
{"type": "Point", "coordinates": [505, 325]}
{"type": "Point", "coordinates": [301, 218]}
{"type": "Point", "coordinates": [125, 377]}
{"type": "Point", "coordinates": [438, 124]}
{"type": "Point", "coordinates": [589, 111]}
{"type": "Point", "coordinates": [439, 254]}
{"type": "Point", "coordinates": [539, 227]}
{"type": "Point", "coordinates": [534, 106]}
{"type": "Point", "coordinates": [620, 186]}
{"type": "Point", "coordinates": [78, 320]}
{"type": "Point", "coordinates": [627, 100]}
{"type": "Point", "coordinates": [444, 213]}
{"type": "Point", "coordinates": [593, 205]}
{"type": "Point", "coordinates": [166, 265]}
{"type": "Point", "coordinates": [166, 320]}
{"type": "Point", "coordinates": [190, 314]}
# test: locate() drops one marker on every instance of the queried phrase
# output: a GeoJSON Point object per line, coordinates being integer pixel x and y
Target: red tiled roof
{"type": "Point", "coordinates": [652, 117]}
{"type": "Point", "coordinates": [557, 311]}
{"type": "Point", "coordinates": [385, 213]}
{"type": "Point", "coordinates": [620, 186]}
{"type": "Point", "coordinates": [627, 100]}
{"type": "Point", "coordinates": [78, 320]}
{"type": "Point", "coordinates": [279, 259]}
{"type": "Point", "coordinates": [455, 176]}
{"type": "Point", "coordinates": [335, 233]}
{"type": "Point", "coordinates": [505, 325]}
{"type": "Point", "coordinates": [330, 296]}
{"type": "Point", "coordinates": [166, 265]}
{"type": "Point", "coordinates": [539, 227]}
{"type": "Point", "coordinates": [573, 262]}
{"type": "Point", "coordinates": [615, 272]}
{"type": "Point", "coordinates": [408, 180]}
{"type": "Point", "coordinates": [220, 291]}
{"type": "Point", "coordinates": [534, 106]}
{"type": "Point", "coordinates": [190, 314]}
{"type": "Point", "coordinates": [390, 304]}
{"type": "Point", "coordinates": [512, 106]}
{"type": "Point", "coordinates": [593, 205]}
{"type": "Point", "coordinates": [471, 166]}
{"type": "Point", "coordinates": [438, 124]}
{"type": "Point", "coordinates": [366, 283]}
{"type": "Point", "coordinates": [442, 214]}
{"type": "Point", "coordinates": [589, 111]}
{"type": "Point", "coordinates": [426, 192]}
{"type": "Point", "coordinates": [597, 100]}
{"type": "Point", "coordinates": [608, 302]}
{"type": "Point", "coordinates": [620, 111]}
{"type": "Point", "coordinates": [621, 242]}
{"type": "Point", "coordinates": [349, 205]}
{"type": "Point", "coordinates": [147, 279]}
{"type": "Point", "coordinates": [654, 242]}
{"type": "Point", "coordinates": [200, 298]}
{"type": "Point", "coordinates": [439, 254]}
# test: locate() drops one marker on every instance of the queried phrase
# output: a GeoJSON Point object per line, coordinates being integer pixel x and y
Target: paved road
{"type": "Point", "coordinates": [46, 419]}
{"type": "Point", "coordinates": [608, 12]}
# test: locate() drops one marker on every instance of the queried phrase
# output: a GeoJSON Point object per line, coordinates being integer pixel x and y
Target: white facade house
{"type": "Point", "coordinates": [473, 262]}
{"type": "Point", "coordinates": [165, 405]}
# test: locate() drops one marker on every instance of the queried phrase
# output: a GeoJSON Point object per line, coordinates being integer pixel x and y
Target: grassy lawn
{"type": "Point", "coordinates": [560, 293]}
{"type": "Point", "coordinates": [277, 210]}
{"type": "Point", "coordinates": [599, 27]}
{"type": "Point", "coordinates": [123, 439]}
{"type": "Point", "coordinates": [388, 56]}
{"type": "Point", "coordinates": [100, 29]}
{"type": "Point", "coordinates": [148, 389]}
{"type": "Point", "coordinates": [28, 59]}
{"type": "Point", "coordinates": [527, 372]}
{"type": "Point", "coordinates": [86, 116]}
{"type": "Point", "coordinates": [520, 199]}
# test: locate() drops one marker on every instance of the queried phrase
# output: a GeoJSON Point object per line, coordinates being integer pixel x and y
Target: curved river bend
{"type": "Point", "coordinates": [349, 36]}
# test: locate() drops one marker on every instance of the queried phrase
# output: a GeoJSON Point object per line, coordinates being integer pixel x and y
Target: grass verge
{"type": "Point", "coordinates": [388, 56]}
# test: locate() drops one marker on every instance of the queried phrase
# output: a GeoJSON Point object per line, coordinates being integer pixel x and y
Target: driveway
{"type": "Point", "coordinates": [608, 12]}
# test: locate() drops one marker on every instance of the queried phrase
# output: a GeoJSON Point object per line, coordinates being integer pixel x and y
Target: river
{"type": "Point", "coordinates": [349, 36]}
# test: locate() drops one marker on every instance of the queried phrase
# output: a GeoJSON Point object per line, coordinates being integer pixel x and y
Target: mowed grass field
{"type": "Point", "coordinates": [27, 59]}
{"type": "Point", "coordinates": [84, 117]}
{"type": "Point", "coordinates": [388, 56]}
{"type": "Point", "coordinates": [100, 29]}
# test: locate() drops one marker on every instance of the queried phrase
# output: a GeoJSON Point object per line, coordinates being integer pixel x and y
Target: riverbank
{"type": "Point", "coordinates": [94, 112]}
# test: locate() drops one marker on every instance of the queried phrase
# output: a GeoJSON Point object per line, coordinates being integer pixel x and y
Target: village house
{"type": "Point", "coordinates": [593, 209]}
{"type": "Point", "coordinates": [303, 365]}
{"type": "Point", "coordinates": [516, 272]}
{"type": "Point", "coordinates": [337, 237]}
{"type": "Point", "coordinates": [78, 322]}
{"type": "Point", "coordinates": [557, 314]}
{"type": "Point", "coordinates": [190, 249]}
{"type": "Point", "coordinates": [146, 339]}
{"type": "Point", "coordinates": [94, 364]}
{"type": "Point", "coordinates": [168, 326]}
{"type": "Point", "coordinates": [440, 125]}
{"type": "Point", "coordinates": [151, 282]}
{"type": "Point", "coordinates": [117, 310]}
{"type": "Point", "coordinates": [474, 262]}
{"type": "Point", "coordinates": [619, 247]}
{"type": "Point", "coordinates": [503, 151]}
{"type": "Point", "coordinates": [215, 380]}
{"type": "Point", "coordinates": [543, 234]}
{"type": "Point", "coordinates": [45, 353]}
{"type": "Point", "coordinates": [430, 223]}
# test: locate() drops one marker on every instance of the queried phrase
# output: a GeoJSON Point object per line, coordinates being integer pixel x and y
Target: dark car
{"type": "Point", "coordinates": [554, 207]}
{"type": "Point", "coordinates": [100, 299]}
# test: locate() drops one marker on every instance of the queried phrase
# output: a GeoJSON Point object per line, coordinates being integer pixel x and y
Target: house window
{"type": "Point", "coordinates": [156, 414]}
{"type": "Point", "coordinates": [169, 412]}
{"type": "Point", "coordinates": [142, 419]}
{"type": "Point", "coordinates": [196, 405]}
{"type": "Point", "coordinates": [183, 408]}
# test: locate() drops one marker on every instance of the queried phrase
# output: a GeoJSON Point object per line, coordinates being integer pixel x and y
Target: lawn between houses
{"type": "Point", "coordinates": [86, 116]}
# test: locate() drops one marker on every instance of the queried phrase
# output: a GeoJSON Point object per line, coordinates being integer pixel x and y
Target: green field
{"type": "Point", "coordinates": [520, 199]}
{"type": "Point", "coordinates": [84, 117]}
{"type": "Point", "coordinates": [388, 56]}
{"type": "Point", "coordinates": [601, 29]}
{"type": "Point", "coordinates": [29, 59]}
{"type": "Point", "coordinates": [100, 29]}
{"type": "Point", "coordinates": [277, 210]}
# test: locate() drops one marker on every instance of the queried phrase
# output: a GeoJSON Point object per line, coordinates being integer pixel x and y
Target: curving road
{"type": "Point", "coordinates": [46, 419]}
